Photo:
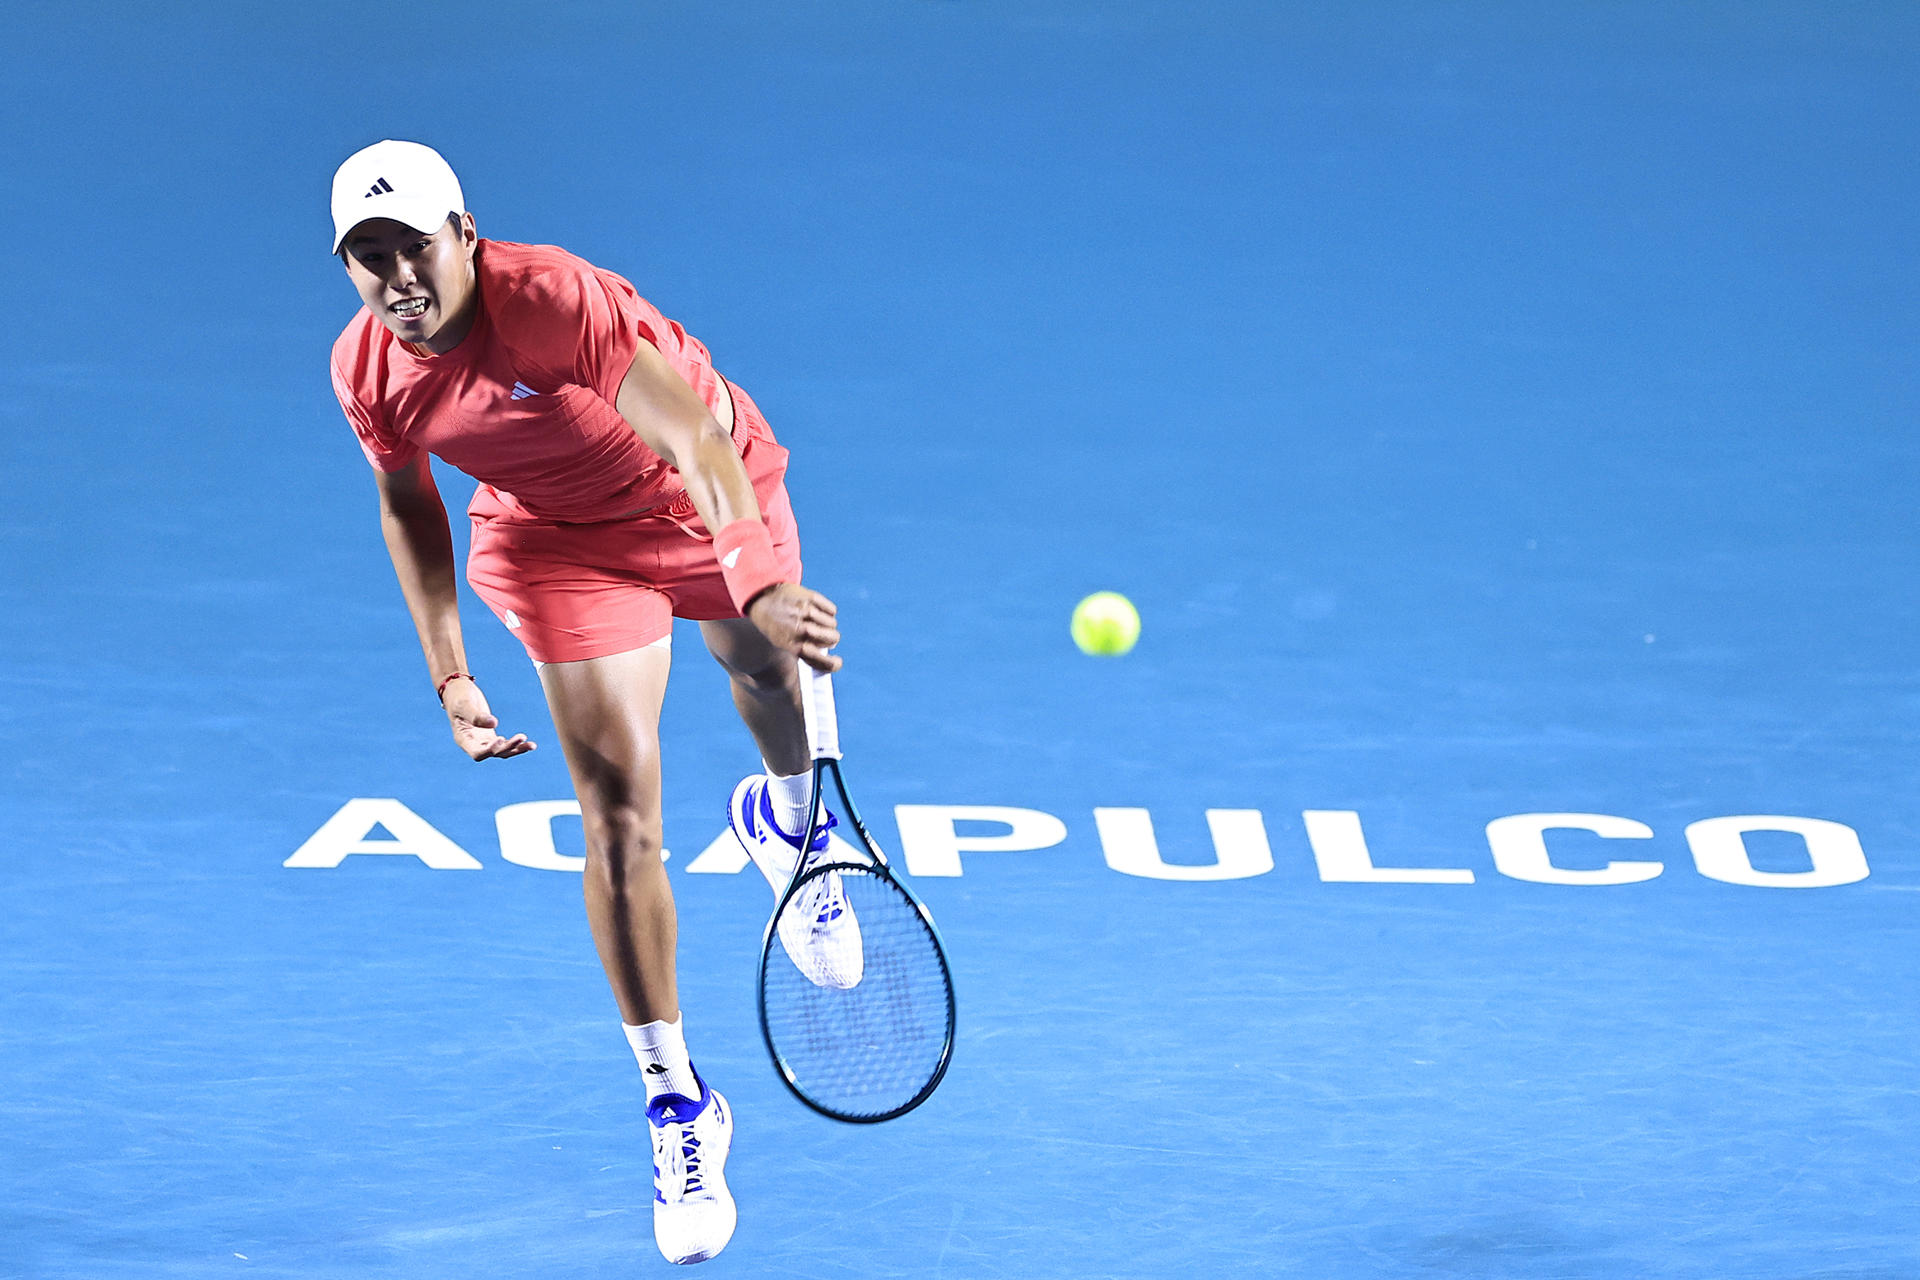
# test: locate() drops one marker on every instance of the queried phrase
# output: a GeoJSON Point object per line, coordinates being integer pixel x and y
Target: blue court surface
{"type": "Point", "coordinates": [1502, 414]}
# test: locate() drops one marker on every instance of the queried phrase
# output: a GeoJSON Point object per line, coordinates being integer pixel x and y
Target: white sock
{"type": "Point", "coordinates": [790, 796]}
{"type": "Point", "coordinates": [661, 1051]}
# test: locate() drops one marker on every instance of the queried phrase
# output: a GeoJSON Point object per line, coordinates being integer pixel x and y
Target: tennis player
{"type": "Point", "coordinates": [623, 483]}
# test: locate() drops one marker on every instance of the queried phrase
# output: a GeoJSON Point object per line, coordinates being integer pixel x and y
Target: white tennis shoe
{"type": "Point", "coordinates": [693, 1212]}
{"type": "Point", "coordinates": [818, 931]}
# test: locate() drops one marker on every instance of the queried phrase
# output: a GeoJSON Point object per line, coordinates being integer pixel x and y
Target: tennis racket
{"type": "Point", "coordinates": [868, 1034]}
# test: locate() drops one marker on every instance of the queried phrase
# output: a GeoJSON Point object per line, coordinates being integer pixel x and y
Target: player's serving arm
{"type": "Point", "coordinates": [623, 482]}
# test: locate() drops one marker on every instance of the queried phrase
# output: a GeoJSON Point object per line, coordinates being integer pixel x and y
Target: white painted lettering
{"type": "Point", "coordinates": [723, 856]}
{"type": "Point", "coordinates": [1520, 848]}
{"type": "Point", "coordinates": [1340, 850]}
{"type": "Point", "coordinates": [347, 832]}
{"type": "Point", "coordinates": [1720, 851]}
{"type": "Point", "coordinates": [1240, 847]}
{"type": "Point", "coordinates": [526, 834]}
{"type": "Point", "coordinates": [932, 847]}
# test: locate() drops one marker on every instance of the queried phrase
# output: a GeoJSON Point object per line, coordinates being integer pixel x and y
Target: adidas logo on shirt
{"type": "Point", "coordinates": [380, 188]}
{"type": "Point", "coordinates": [521, 391]}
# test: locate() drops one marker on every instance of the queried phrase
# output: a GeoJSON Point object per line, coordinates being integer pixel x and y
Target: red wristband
{"type": "Point", "coordinates": [747, 562]}
{"type": "Point", "coordinates": [440, 690]}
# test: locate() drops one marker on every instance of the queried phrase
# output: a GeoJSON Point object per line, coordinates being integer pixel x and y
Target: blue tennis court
{"type": "Point", "coordinates": [1498, 857]}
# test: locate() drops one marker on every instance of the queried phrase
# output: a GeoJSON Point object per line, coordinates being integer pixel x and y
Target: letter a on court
{"type": "Point", "coordinates": [348, 831]}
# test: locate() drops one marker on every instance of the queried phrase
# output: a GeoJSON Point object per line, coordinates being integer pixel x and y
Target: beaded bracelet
{"type": "Point", "coordinates": [440, 690]}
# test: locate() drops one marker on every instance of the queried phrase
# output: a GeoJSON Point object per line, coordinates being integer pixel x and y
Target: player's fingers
{"type": "Point", "coordinates": [817, 657]}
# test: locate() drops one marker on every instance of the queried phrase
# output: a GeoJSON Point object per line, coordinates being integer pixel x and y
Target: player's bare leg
{"type": "Point", "coordinates": [769, 812]}
{"type": "Point", "coordinates": [766, 691]}
{"type": "Point", "coordinates": [607, 712]}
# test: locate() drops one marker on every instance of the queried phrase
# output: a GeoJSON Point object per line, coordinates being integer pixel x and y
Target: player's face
{"type": "Point", "coordinates": [422, 287]}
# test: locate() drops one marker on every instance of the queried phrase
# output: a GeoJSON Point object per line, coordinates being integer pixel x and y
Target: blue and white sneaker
{"type": "Point", "coordinates": [693, 1212]}
{"type": "Point", "coordinates": [818, 929]}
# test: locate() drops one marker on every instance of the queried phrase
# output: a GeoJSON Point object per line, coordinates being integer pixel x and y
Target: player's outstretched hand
{"type": "Point", "coordinates": [799, 620]}
{"type": "Point", "coordinates": [474, 727]}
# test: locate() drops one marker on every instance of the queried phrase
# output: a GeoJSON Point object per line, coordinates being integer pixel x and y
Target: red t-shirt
{"type": "Point", "coordinates": [525, 403]}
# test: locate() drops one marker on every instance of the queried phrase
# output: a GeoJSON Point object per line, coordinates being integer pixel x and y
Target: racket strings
{"type": "Point", "coordinates": [872, 1048]}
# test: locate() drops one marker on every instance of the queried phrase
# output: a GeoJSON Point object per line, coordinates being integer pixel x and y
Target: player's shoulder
{"type": "Point", "coordinates": [510, 270]}
{"type": "Point", "coordinates": [525, 280]}
{"type": "Point", "coordinates": [356, 351]}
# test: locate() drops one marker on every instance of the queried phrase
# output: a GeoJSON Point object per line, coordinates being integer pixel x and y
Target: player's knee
{"type": "Point", "coordinates": [621, 841]}
{"type": "Point", "coordinates": [749, 659]}
{"type": "Point", "coordinates": [777, 676]}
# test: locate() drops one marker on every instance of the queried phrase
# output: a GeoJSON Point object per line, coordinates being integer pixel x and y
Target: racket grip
{"type": "Point", "coordinates": [823, 724]}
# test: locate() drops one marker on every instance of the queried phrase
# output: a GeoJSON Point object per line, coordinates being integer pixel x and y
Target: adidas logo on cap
{"type": "Point", "coordinates": [380, 188]}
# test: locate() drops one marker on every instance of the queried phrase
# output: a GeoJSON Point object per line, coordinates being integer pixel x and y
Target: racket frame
{"type": "Point", "coordinates": [817, 690]}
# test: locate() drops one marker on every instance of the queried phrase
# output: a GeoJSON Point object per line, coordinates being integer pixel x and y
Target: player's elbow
{"type": "Point", "coordinates": [410, 506]}
{"type": "Point", "coordinates": [696, 449]}
{"type": "Point", "coordinates": [406, 492]}
{"type": "Point", "coordinates": [714, 440]}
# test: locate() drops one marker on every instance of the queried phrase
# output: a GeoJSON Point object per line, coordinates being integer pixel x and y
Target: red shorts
{"type": "Point", "coordinates": [577, 591]}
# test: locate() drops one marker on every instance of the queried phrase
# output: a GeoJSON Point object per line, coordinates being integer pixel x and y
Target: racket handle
{"type": "Point", "coordinates": [823, 724]}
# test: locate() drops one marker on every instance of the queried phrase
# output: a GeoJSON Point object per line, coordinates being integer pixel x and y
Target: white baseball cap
{"type": "Point", "coordinates": [405, 181]}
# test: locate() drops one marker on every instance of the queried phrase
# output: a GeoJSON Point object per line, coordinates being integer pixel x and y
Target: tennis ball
{"type": "Point", "coordinates": [1105, 623]}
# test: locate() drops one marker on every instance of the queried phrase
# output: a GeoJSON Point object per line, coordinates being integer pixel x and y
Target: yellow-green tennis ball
{"type": "Point", "coordinates": [1105, 623]}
